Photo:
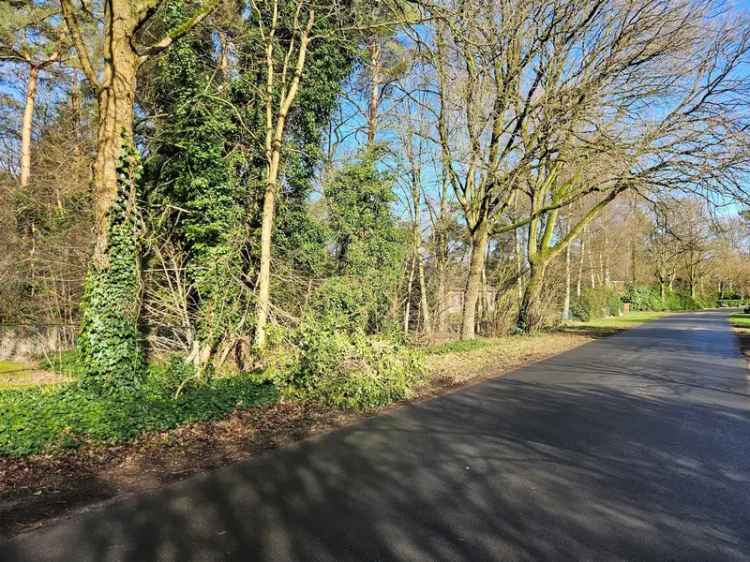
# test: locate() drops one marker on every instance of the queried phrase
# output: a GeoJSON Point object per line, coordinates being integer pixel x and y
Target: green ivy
{"type": "Point", "coordinates": [193, 168]}
{"type": "Point", "coordinates": [110, 347]}
{"type": "Point", "coordinates": [45, 419]}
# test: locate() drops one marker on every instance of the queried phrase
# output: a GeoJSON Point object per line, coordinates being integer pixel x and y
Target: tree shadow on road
{"type": "Point", "coordinates": [511, 468]}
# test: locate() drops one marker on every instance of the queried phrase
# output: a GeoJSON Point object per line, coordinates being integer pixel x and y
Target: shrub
{"type": "Point", "coordinates": [596, 303]}
{"type": "Point", "coordinates": [348, 303]}
{"type": "Point", "coordinates": [49, 418]}
{"type": "Point", "coordinates": [643, 297]}
{"type": "Point", "coordinates": [350, 371]}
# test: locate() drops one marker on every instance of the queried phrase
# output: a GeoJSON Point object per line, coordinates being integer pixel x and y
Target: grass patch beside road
{"type": "Point", "coordinates": [740, 320]}
{"type": "Point", "coordinates": [608, 326]}
{"type": "Point", "coordinates": [741, 324]}
{"type": "Point", "coordinates": [456, 363]}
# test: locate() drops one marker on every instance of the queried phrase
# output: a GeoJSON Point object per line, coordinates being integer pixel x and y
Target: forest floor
{"type": "Point", "coordinates": [43, 487]}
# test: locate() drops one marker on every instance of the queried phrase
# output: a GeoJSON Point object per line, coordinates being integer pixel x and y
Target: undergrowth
{"type": "Point", "coordinates": [45, 419]}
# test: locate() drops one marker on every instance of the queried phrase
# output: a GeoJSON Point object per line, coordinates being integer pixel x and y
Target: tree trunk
{"type": "Point", "coordinates": [424, 305]}
{"type": "Point", "coordinates": [274, 138]}
{"type": "Point", "coordinates": [606, 259]}
{"type": "Point", "coordinates": [519, 265]}
{"type": "Point", "coordinates": [441, 259]}
{"type": "Point", "coordinates": [474, 281]}
{"type": "Point", "coordinates": [566, 302]}
{"type": "Point", "coordinates": [263, 296]}
{"type": "Point", "coordinates": [224, 56]}
{"type": "Point", "coordinates": [530, 314]}
{"type": "Point", "coordinates": [407, 308]}
{"type": "Point", "coordinates": [442, 297]}
{"type": "Point", "coordinates": [375, 68]}
{"type": "Point", "coordinates": [580, 266]}
{"type": "Point", "coordinates": [115, 128]}
{"type": "Point", "coordinates": [28, 115]}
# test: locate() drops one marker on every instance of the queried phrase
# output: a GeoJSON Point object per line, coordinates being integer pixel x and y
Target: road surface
{"type": "Point", "coordinates": [634, 447]}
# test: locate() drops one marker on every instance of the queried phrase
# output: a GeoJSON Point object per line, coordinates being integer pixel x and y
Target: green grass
{"type": "Point", "coordinates": [50, 418]}
{"type": "Point", "coordinates": [15, 373]}
{"type": "Point", "coordinates": [459, 346]}
{"type": "Point", "coordinates": [10, 367]}
{"type": "Point", "coordinates": [600, 326]}
{"type": "Point", "coordinates": [740, 320]}
{"type": "Point", "coordinates": [615, 323]}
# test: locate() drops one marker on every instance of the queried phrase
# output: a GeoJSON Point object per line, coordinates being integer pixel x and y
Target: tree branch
{"type": "Point", "coordinates": [179, 32]}
{"type": "Point", "coordinates": [83, 55]}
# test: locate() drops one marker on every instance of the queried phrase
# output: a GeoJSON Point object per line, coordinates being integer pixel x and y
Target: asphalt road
{"type": "Point", "coordinates": [634, 447]}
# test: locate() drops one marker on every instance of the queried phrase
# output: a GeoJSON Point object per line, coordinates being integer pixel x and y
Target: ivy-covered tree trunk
{"type": "Point", "coordinates": [109, 346]}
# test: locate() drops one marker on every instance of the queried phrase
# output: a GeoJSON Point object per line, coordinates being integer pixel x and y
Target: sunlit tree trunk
{"type": "Point", "coordinates": [409, 285]}
{"type": "Point", "coordinates": [530, 313]}
{"type": "Point", "coordinates": [519, 263]}
{"type": "Point", "coordinates": [275, 129]}
{"type": "Point", "coordinates": [375, 78]}
{"type": "Point", "coordinates": [441, 265]}
{"type": "Point", "coordinates": [28, 114]}
{"type": "Point", "coordinates": [423, 303]}
{"type": "Point", "coordinates": [579, 281]}
{"type": "Point", "coordinates": [474, 280]}
{"type": "Point", "coordinates": [566, 302]}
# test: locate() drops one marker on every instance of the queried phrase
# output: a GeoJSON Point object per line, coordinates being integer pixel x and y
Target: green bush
{"type": "Point", "coordinates": [62, 416]}
{"type": "Point", "coordinates": [680, 301]}
{"type": "Point", "coordinates": [350, 371]}
{"type": "Point", "coordinates": [614, 304]}
{"type": "Point", "coordinates": [646, 298]}
{"type": "Point", "coordinates": [348, 303]}
{"type": "Point", "coordinates": [596, 303]}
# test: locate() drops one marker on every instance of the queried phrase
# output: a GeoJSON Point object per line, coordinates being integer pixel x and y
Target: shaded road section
{"type": "Point", "coordinates": [633, 447]}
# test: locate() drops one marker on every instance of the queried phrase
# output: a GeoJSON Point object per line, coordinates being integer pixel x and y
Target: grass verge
{"type": "Point", "coordinates": [614, 324]}
{"type": "Point", "coordinates": [740, 320]}
{"type": "Point", "coordinates": [741, 324]}
{"type": "Point", "coordinates": [458, 363]}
